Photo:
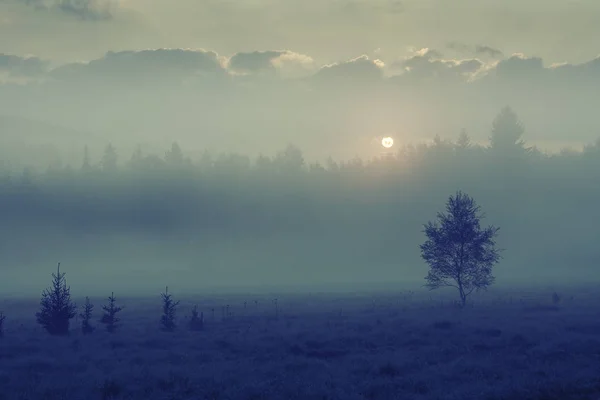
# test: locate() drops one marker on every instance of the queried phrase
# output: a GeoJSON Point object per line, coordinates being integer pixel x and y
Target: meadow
{"type": "Point", "coordinates": [516, 344]}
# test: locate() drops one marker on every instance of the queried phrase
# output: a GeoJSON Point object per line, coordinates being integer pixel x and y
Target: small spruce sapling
{"type": "Point", "coordinates": [86, 317]}
{"type": "Point", "coordinates": [109, 318]}
{"type": "Point", "coordinates": [167, 320]}
{"type": "Point", "coordinates": [196, 321]}
{"type": "Point", "coordinates": [57, 309]}
{"type": "Point", "coordinates": [2, 318]}
{"type": "Point", "coordinates": [556, 299]}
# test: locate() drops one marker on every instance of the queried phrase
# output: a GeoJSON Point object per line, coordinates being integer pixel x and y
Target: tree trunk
{"type": "Point", "coordinates": [463, 295]}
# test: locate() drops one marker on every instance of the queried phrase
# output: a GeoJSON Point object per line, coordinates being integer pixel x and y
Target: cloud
{"type": "Point", "coordinates": [587, 70]}
{"type": "Point", "coordinates": [358, 70]}
{"type": "Point", "coordinates": [84, 9]}
{"type": "Point", "coordinates": [271, 61]}
{"type": "Point", "coordinates": [459, 47]}
{"type": "Point", "coordinates": [477, 50]}
{"type": "Point", "coordinates": [487, 50]}
{"type": "Point", "coordinates": [428, 64]}
{"type": "Point", "coordinates": [254, 61]}
{"type": "Point", "coordinates": [18, 67]}
{"type": "Point", "coordinates": [144, 65]}
{"type": "Point", "coordinates": [176, 66]}
{"type": "Point", "coordinates": [518, 68]}
{"type": "Point", "coordinates": [181, 64]}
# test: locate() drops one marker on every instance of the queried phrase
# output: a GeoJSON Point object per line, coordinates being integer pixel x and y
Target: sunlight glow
{"type": "Point", "coordinates": [387, 142]}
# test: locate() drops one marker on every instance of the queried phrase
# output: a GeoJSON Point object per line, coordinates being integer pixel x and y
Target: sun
{"type": "Point", "coordinates": [387, 142]}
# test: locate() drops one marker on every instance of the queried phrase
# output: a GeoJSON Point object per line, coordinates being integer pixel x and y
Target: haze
{"type": "Point", "coordinates": [258, 95]}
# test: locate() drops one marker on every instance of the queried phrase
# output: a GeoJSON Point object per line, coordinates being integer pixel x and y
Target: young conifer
{"type": "Point", "coordinates": [57, 309]}
{"type": "Point", "coordinates": [167, 320]}
{"type": "Point", "coordinates": [86, 317]}
{"type": "Point", "coordinates": [109, 318]}
{"type": "Point", "coordinates": [2, 318]}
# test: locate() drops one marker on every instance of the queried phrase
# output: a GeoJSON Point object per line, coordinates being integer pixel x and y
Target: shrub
{"type": "Point", "coordinates": [196, 322]}
{"type": "Point", "coordinates": [56, 307]}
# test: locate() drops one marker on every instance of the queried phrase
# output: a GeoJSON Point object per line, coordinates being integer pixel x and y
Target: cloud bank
{"type": "Point", "coordinates": [22, 66]}
{"type": "Point", "coordinates": [423, 63]}
{"type": "Point", "coordinates": [258, 101]}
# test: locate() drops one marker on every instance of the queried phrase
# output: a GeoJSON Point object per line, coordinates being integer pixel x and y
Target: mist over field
{"type": "Point", "coordinates": [230, 220]}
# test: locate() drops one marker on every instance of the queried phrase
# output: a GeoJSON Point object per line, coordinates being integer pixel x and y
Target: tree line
{"type": "Point", "coordinates": [232, 186]}
{"type": "Point", "coordinates": [506, 146]}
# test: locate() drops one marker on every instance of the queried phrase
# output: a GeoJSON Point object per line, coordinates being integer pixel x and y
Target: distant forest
{"type": "Point", "coordinates": [547, 205]}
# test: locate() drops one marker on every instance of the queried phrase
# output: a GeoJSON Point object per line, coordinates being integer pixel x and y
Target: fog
{"type": "Point", "coordinates": [180, 153]}
{"type": "Point", "coordinates": [139, 221]}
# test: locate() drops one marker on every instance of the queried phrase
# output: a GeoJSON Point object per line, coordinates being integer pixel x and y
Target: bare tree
{"type": "Point", "coordinates": [459, 252]}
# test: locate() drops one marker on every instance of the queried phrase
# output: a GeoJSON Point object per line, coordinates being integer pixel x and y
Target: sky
{"type": "Point", "coordinates": [329, 31]}
{"type": "Point", "coordinates": [332, 76]}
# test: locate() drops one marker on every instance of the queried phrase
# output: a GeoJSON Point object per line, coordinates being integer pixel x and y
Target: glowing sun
{"type": "Point", "coordinates": [387, 142]}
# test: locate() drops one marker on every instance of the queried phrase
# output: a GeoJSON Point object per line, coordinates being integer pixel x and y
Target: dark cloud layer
{"type": "Point", "coordinates": [146, 64]}
{"type": "Point", "coordinates": [254, 61]}
{"type": "Point", "coordinates": [487, 50]}
{"type": "Point", "coordinates": [22, 66]}
{"type": "Point", "coordinates": [428, 64]}
{"type": "Point", "coordinates": [85, 9]}
{"type": "Point", "coordinates": [358, 70]}
{"type": "Point", "coordinates": [423, 64]}
{"type": "Point", "coordinates": [477, 50]}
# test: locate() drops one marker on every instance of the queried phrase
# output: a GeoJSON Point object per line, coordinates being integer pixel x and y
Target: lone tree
{"type": "Point", "coordinates": [460, 254]}
{"type": "Point", "coordinates": [57, 309]}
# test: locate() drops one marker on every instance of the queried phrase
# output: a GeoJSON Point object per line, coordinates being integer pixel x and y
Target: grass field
{"type": "Point", "coordinates": [371, 346]}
